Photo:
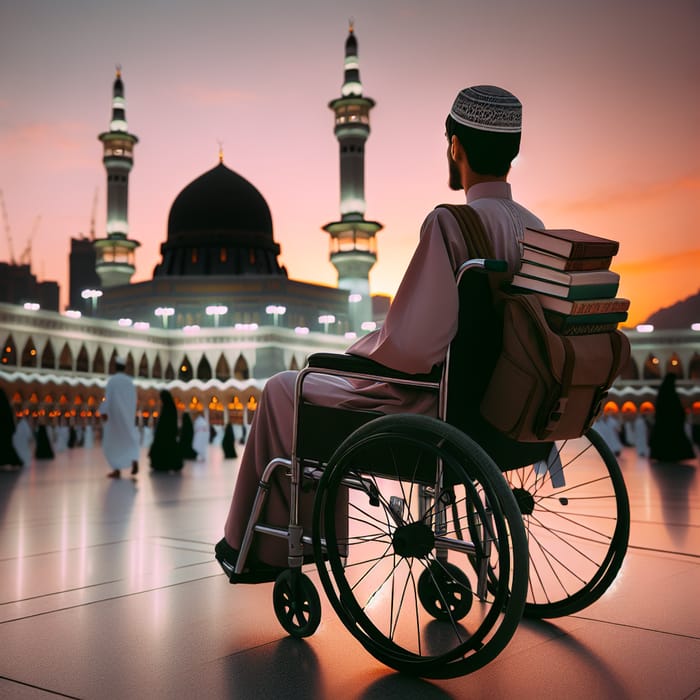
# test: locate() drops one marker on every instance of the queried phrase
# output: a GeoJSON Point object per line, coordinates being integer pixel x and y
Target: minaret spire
{"type": "Point", "coordinates": [353, 245]}
{"type": "Point", "coordinates": [115, 253]}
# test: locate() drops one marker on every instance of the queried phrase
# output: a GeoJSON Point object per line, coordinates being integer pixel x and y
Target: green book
{"type": "Point", "coordinates": [565, 291]}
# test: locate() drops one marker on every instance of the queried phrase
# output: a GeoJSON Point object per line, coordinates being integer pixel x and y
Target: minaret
{"type": "Point", "coordinates": [115, 253]}
{"type": "Point", "coordinates": [353, 246]}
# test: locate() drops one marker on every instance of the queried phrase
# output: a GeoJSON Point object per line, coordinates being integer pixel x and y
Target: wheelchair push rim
{"type": "Point", "coordinates": [403, 571]}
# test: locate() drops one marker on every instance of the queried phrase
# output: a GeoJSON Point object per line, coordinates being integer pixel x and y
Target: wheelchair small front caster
{"type": "Point", "coordinates": [296, 603]}
{"type": "Point", "coordinates": [444, 591]}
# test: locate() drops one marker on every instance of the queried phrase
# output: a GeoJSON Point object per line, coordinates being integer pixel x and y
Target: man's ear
{"type": "Point", "coordinates": [456, 150]}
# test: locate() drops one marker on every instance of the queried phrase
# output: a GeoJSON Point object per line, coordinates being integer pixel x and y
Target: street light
{"type": "Point", "coordinates": [216, 310]}
{"type": "Point", "coordinates": [164, 312]}
{"type": "Point", "coordinates": [301, 330]}
{"type": "Point", "coordinates": [72, 313]}
{"type": "Point", "coordinates": [93, 295]}
{"type": "Point", "coordinates": [368, 326]}
{"type": "Point", "coordinates": [275, 311]}
{"type": "Point", "coordinates": [142, 325]}
{"type": "Point", "coordinates": [355, 298]}
{"type": "Point", "coordinates": [31, 306]}
{"type": "Point", "coordinates": [326, 320]}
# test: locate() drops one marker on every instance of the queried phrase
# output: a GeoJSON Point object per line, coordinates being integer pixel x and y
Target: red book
{"type": "Point", "coordinates": [570, 243]}
{"type": "Point", "coordinates": [561, 262]}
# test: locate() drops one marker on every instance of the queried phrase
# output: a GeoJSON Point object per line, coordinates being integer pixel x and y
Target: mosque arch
{"type": "Point", "coordinates": [9, 352]}
{"type": "Point", "coordinates": [98, 364]}
{"type": "Point", "coordinates": [82, 362]}
{"type": "Point", "coordinates": [143, 366]}
{"type": "Point", "coordinates": [129, 367]}
{"type": "Point", "coordinates": [652, 367]}
{"type": "Point", "coordinates": [223, 370]}
{"type": "Point", "coordinates": [204, 369]}
{"type": "Point", "coordinates": [184, 372]}
{"type": "Point", "coordinates": [674, 366]}
{"type": "Point", "coordinates": [293, 364]}
{"type": "Point", "coordinates": [157, 369]}
{"type": "Point", "coordinates": [694, 367]}
{"type": "Point", "coordinates": [48, 356]}
{"type": "Point", "coordinates": [169, 372]}
{"type": "Point", "coordinates": [112, 361]}
{"type": "Point", "coordinates": [29, 353]}
{"type": "Point", "coordinates": [241, 369]}
{"type": "Point", "coordinates": [65, 359]}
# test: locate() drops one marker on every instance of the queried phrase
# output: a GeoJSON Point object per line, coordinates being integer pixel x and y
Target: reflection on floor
{"type": "Point", "coordinates": [109, 589]}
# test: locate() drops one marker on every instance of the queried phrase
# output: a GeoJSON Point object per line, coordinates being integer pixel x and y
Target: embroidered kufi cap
{"type": "Point", "coordinates": [488, 108]}
{"type": "Point", "coordinates": [120, 361]}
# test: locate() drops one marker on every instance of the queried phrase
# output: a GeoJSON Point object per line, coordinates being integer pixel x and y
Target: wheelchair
{"type": "Point", "coordinates": [433, 536]}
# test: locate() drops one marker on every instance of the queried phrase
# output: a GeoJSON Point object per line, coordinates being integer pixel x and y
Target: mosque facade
{"type": "Point", "coordinates": [220, 314]}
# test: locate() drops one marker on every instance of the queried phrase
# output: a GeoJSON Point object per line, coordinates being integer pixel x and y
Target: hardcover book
{"type": "Point", "coordinates": [586, 306]}
{"type": "Point", "coordinates": [584, 323]}
{"type": "Point", "coordinates": [565, 291]}
{"type": "Point", "coordinates": [561, 262]}
{"type": "Point", "coordinates": [573, 279]}
{"type": "Point", "coordinates": [570, 243]}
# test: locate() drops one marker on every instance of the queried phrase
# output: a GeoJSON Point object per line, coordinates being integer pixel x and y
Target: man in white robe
{"type": "Point", "coordinates": [119, 437]}
{"type": "Point", "coordinates": [200, 439]}
{"type": "Point", "coordinates": [419, 326]}
{"type": "Point", "coordinates": [22, 440]}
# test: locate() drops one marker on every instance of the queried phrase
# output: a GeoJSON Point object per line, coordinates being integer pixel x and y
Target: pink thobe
{"type": "Point", "coordinates": [417, 331]}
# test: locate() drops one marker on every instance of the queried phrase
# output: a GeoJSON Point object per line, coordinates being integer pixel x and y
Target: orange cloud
{"type": "Point", "coordinates": [655, 283]}
{"type": "Point", "coordinates": [629, 196]}
{"type": "Point", "coordinates": [65, 141]}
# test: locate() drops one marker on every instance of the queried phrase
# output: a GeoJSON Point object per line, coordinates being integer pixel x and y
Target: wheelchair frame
{"type": "Point", "coordinates": [503, 509]}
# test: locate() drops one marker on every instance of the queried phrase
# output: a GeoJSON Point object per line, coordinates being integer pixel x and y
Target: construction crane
{"type": "Point", "coordinates": [94, 214]}
{"type": "Point", "coordinates": [8, 233]}
{"type": "Point", "coordinates": [26, 257]}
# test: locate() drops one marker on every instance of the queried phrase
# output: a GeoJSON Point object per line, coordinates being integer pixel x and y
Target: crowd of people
{"type": "Point", "coordinates": [168, 443]}
{"type": "Point", "coordinates": [669, 434]}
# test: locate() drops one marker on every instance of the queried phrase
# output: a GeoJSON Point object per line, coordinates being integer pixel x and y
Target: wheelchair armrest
{"type": "Point", "coordinates": [354, 364]}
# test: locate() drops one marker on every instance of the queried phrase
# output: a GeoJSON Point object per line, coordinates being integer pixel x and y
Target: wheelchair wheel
{"type": "Point", "coordinates": [577, 520]}
{"type": "Point", "coordinates": [400, 567]}
{"type": "Point", "coordinates": [296, 603]}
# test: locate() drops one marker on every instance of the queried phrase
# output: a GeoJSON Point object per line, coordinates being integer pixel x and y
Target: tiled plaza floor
{"type": "Point", "coordinates": [109, 589]}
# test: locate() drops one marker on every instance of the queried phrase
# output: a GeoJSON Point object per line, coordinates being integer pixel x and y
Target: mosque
{"type": "Point", "coordinates": [220, 314]}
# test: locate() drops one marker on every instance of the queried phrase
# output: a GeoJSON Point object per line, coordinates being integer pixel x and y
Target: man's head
{"type": "Point", "coordinates": [119, 364]}
{"type": "Point", "coordinates": [485, 121]}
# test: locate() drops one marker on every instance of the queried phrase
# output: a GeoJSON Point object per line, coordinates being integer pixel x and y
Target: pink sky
{"type": "Point", "coordinates": [611, 113]}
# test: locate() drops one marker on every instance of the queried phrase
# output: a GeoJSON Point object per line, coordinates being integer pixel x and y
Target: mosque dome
{"type": "Point", "coordinates": [219, 224]}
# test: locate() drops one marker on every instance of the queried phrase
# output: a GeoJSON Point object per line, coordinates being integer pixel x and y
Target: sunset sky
{"type": "Point", "coordinates": [611, 141]}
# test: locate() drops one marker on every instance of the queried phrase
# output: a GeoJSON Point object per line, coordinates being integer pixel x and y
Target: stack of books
{"type": "Point", "coordinates": [570, 272]}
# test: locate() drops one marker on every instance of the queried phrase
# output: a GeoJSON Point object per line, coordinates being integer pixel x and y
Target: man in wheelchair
{"type": "Point", "coordinates": [483, 131]}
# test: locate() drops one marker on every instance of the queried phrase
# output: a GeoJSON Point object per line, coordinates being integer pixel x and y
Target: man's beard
{"type": "Point", "coordinates": [455, 177]}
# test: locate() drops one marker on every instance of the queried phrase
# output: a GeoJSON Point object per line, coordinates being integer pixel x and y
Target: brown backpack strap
{"type": "Point", "coordinates": [478, 242]}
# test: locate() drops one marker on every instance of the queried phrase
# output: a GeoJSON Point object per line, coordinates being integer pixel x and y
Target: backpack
{"type": "Point", "coordinates": [544, 386]}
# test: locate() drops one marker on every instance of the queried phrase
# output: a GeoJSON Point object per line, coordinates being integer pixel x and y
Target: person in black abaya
{"type": "Point", "coordinates": [228, 444]}
{"type": "Point", "coordinates": [186, 437]}
{"type": "Point", "coordinates": [165, 452]}
{"type": "Point", "coordinates": [668, 441]}
{"type": "Point", "coordinates": [8, 454]}
{"type": "Point", "coordinates": [43, 450]}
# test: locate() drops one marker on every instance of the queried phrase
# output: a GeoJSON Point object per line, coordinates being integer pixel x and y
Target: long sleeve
{"type": "Point", "coordinates": [422, 319]}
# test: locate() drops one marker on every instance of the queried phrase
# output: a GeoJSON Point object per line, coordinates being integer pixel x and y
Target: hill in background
{"type": "Point", "coordinates": [679, 315]}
